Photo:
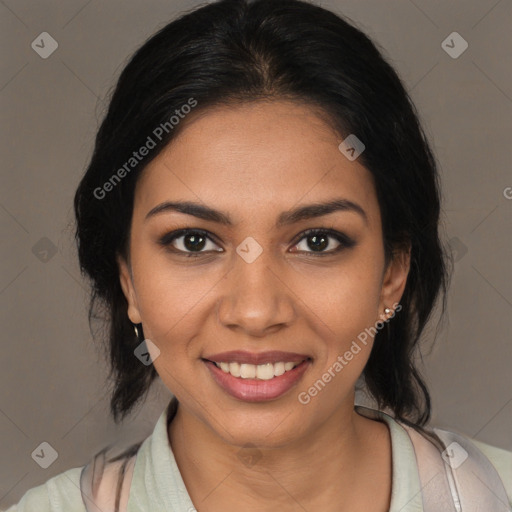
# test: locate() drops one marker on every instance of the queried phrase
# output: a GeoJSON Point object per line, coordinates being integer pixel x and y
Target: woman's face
{"type": "Point", "coordinates": [247, 282]}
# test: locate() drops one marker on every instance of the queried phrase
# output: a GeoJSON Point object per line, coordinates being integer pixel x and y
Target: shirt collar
{"type": "Point", "coordinates": [405, 488]}
{"type": "Point", "coordinates": [157, 484]}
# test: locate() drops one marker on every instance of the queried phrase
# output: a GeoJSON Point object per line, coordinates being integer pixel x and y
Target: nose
{"type": "Point", "coordinates": [256, 299]}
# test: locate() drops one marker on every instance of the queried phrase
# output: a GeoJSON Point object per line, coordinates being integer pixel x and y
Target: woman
{"type": "Point", "coordinates": [260, 222]}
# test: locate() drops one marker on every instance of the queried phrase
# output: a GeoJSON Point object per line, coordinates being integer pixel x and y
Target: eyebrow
{"type": "Point", "coordinates": [286, 218]}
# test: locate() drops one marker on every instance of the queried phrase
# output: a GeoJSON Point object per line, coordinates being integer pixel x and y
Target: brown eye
{"type": "Point", "coordinates": [318, 240]}
{"type": "Point", "coordinates": [194, 241]}
{"type": "Point", "coordinates": [188, 242]}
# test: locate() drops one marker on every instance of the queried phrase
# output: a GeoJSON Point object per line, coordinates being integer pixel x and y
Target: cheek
{"type": "Point", "coordinates": [345, 298]}
{"type": "Point", "coordinates": [344, 312]}
{"type": "Point", "coordinates": [344, 307]}
{"type": "Point", "coordinates": [170, 305]}
{"type": "Point", "coordinates": [170, 299]}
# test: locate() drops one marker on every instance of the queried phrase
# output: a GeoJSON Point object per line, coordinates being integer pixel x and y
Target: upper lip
{"type": "Point", "coordinates": [256, 358]}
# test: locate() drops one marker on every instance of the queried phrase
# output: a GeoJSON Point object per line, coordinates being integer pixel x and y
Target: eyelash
{"type": "Point", "coordinates": [344, 241]}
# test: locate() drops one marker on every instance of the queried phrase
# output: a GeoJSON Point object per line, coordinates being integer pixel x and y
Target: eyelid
{"type": "Point", "coordinates": [169, 237]}
{"type": "Point", "coordinates": [344, 240]}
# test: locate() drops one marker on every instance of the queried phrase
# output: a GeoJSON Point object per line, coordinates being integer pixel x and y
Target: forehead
{"type": "Point", "coordinates": [254, 156]}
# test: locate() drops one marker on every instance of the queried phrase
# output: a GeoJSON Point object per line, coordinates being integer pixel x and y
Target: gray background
{"type": "Point", "coordinates": [52, 379]}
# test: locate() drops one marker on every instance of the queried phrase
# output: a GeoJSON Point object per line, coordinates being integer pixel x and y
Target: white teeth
{"type": "Point", "coordinates": [234, 369]}
{"type": "Point", "coordinates": [265, 371]}
{"type": "Point", "coordinates": [247, 371]}
{"type": "Point", "coordinates": [279, 369]}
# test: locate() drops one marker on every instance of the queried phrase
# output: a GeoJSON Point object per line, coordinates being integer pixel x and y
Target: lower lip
{"type": "Point", "coordinates": [257, 390]}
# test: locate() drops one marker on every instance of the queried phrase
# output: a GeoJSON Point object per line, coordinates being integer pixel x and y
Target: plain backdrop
{"type": "Point", "coordinates": [52, 381]}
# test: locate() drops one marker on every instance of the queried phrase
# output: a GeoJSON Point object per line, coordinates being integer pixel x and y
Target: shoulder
{"type": "Point", "coordinates": [58, 494]}
{"type": "Point", "coordinates": [448, 463]}
{"type": "Point", "coordinates": [475, 464]}
{"type": "Point", "coordinates": [501, 459]}
{"type": "Point", "coordinates": [105, 479]}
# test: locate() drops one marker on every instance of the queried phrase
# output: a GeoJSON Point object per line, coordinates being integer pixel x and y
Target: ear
{"type": "Point", "coordinates": [125, 276]}
{"type": "Point", "coordinates": [394, 280]}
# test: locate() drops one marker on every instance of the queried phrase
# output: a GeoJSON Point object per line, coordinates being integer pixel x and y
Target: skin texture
{"type": "Point", "coordinates": [254, 161]}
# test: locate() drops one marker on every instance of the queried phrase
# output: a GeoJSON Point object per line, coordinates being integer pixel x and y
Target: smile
{"type": "Point", "coordinates": [252, 382]}
{"type": "Point", "coordinates": [251, 371]}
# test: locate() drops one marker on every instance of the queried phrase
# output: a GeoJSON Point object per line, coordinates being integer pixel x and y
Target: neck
{"type": "Point", "coordinates": [329, 462]}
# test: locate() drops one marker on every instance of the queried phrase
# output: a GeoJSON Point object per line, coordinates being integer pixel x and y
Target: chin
{"type": "Point", "coordinates": [259, 427]}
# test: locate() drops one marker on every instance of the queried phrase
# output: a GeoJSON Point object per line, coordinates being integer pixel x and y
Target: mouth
{"type": "Point", "coordinates": [257, 377]}
{"type": "Point", "coordinates": [265, 371]}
